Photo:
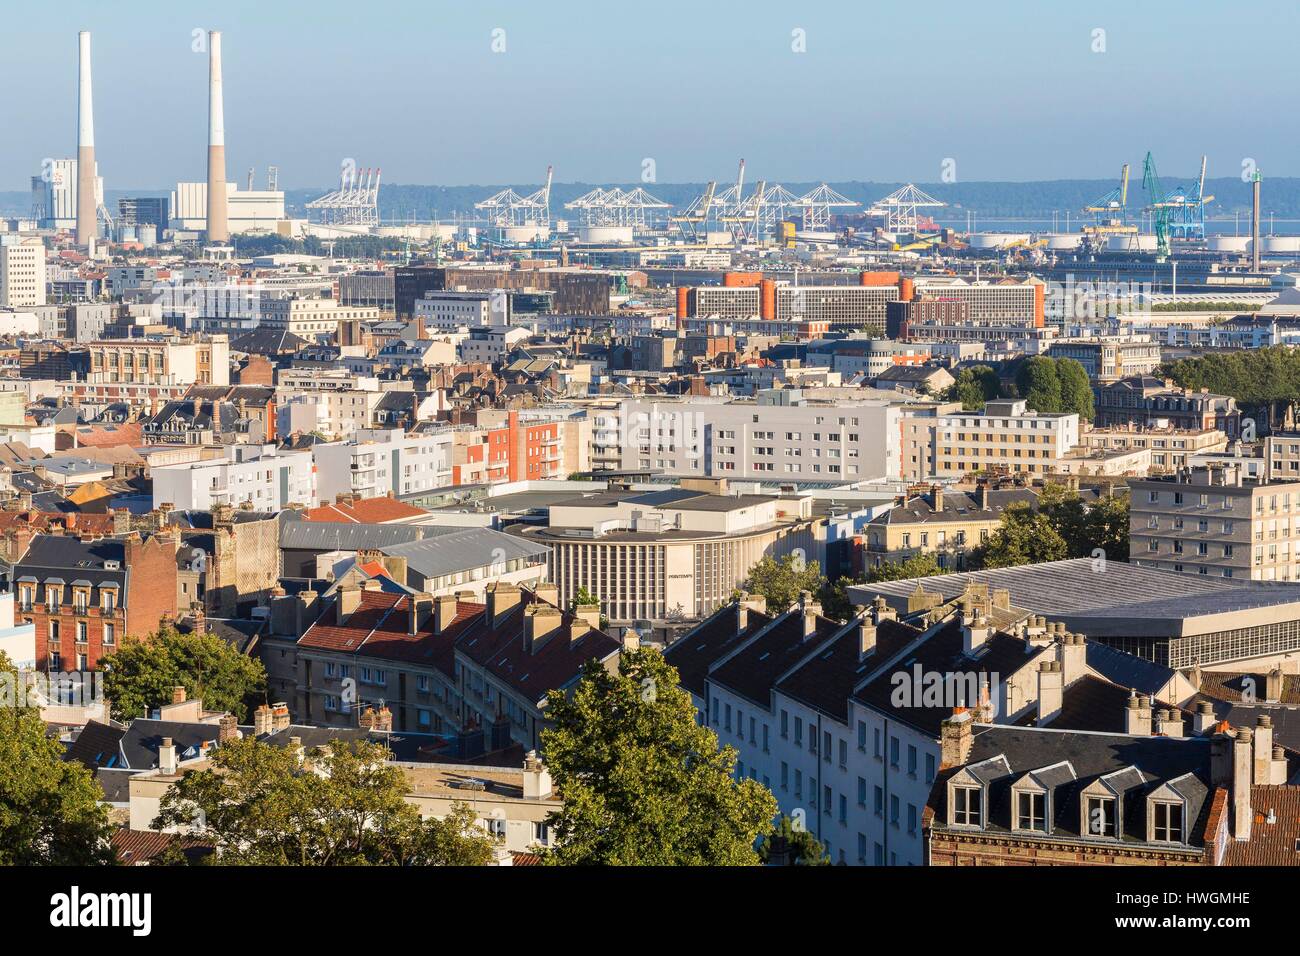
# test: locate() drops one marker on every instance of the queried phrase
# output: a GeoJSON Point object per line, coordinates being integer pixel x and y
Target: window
{"type": "Point", "coordinates": [1101, 816]}
{"type": "Point", "coordinates": [929, 768]}
{"type": "Point", "coordinates": [1167, 822]}
{"type": "Point", "coordinates": [1029, 812]}
{"type": "Point", "coordinates": [966, 806]}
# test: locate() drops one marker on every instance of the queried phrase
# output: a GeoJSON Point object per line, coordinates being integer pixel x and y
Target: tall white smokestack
{"type": "Point", "coordinates": [86, 206]}
{"type": "Point", "coordinates": [218, 227]}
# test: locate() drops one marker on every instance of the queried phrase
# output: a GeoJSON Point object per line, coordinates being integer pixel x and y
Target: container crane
{"type": "Point", "coordinates": [1160, 207]}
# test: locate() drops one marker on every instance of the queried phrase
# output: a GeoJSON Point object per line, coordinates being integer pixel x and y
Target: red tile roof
{"type": "Point", "coordinates": [365, 511]}
{"type": "Point", "coordinates": [130, 433]}
{"type": "Point", "coordinates": [1270, 844]}
{"type": "Point", "coordinates": [139, 847]}
{"type": "Point", "coordinates": [379, 628]}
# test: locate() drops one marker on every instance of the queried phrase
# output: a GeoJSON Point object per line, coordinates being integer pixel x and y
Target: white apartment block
{"type": "Point", "coordinates": [259, 475]}
{"type": "Point", "coordinates": [489, 344]}
{"type": "Point", "coordinates": [22, 272]}
{"type": "Point", "coordinates": [1006, 436]}
{"type": "Point", "coordinates": [449, 311]}
{"type": "Point", "coordinates": [312, 318]}
{"type": "Point", "coordinates": [377, 461]}
{"type": "Point", "coordinates": [334, 413]}
{"type": "Point", "coordinates": [797, 440]}
{"type": "Point", "coordinates": [1216, 522]}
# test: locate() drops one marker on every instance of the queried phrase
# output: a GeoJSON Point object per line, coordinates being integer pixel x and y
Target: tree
{"type": "Point", "coordinates": [1107, 528]}
{"type": "Point", "coordinates": [139, 675]}
{"type": "Point", "coordinates": [1023, 536]}
{"type": "Point", "coordinates": [834, 598]}
{"type": "Point", "coordinates": [781, 580]}
{"type": "Point", "coordinates": [50, 810]}
{"type": "Point", "coordinates": [643, 783]}
{"type": "Point", "coordinates": [1076, 388]}
{"type": "Point", "coordinates": [975, 386]}
{"type": "Point", "coordinates": [1038, 383]}
{"type": "Point", "coordinates": [1084, 528]}
{"type": "Point", "coordinates": [917, 566]}
{"type": "Point", "coordinates": [341, 805]}
{"type": "Point", "coordinates": [801, 847]}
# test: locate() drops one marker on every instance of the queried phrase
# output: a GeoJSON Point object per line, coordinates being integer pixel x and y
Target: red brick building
{"type": "Point", "coordinates": [84, 595]}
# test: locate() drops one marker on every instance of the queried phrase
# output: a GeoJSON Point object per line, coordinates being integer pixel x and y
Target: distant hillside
{"type": "Point", "coordinates": [1029, 200]}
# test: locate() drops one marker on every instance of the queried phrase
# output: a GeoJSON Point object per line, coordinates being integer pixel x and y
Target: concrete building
{"type": "Point", "coordinates": [447, 311]}
{"type": "Point", "coordinates": [54, 194]}
{"type": "Point", "coordinates": [197, 361]}
{"type": "Point", "coordinates": [1145, 401]}
{"type": "Point", "coordinates": [1108, 359]}
{"type": "Point", "coordinates": [312, 319]}
{"type": "Point", "coordinates": [780, 437]}
{"type": "Point", "coordinates": [1005, 437]}
{"type": "Point", "coordinates": [248, 210]}
{"type": "Point", "coordinates": [1213, 521]}
{"type": "Point", "coordinates": [262, 476]}
{"type": "Point", "coordinates": [1171, 448]}
{"type": "Point", "coordinates": [377, 461]}
{"type": "Point", "coordinates": [22, 272]}
{"type": "Point", "coordinates": [676, 554]}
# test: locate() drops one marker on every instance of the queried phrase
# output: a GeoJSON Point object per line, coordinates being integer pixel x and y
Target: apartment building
{"type": "Point", "coordinates": [1282, 456]}
{"type": "Point", "coordinates": [312, 319]}
{"type": "Point", "coordinates": [203, 361]}
{"type": "Point", "coordinates": [945, 523]}
{"type": "Point", "coordinates": [843, 721]}
{"type": "Point", "coordinates": [675, 554]}
{"type": "Point", "coordinates": [1145, 401]}
{"type": "Point", "coordinates": [1108, 359]}
{"type": "Point", "coordinates": [780, 436]}
{"type": "Point", "coordinates": [376, 461]}
{"type": "Point", "coordinates": [1006, 437]}
{"type": "Point", "coordinates": [490, 344]}
{"type": "Point", "coordinates": [22, 272]}
{"type": "Point", "coordinates": [861, 354]}
{"type": "Point", "coordinates": [84, 596]}
{"type": "Point", "coordinates": [1171, 448]}
{"type": "Point", "coordinates": [260, 475]}
{"type": "Point", "coordinates": [1214, 521]}
{"type": "Point", "coordinates": [503, 446]}
{"type": "Point", "coordinates": [332, 412]}
{"type": "Point", "coordinates": [447, 311]}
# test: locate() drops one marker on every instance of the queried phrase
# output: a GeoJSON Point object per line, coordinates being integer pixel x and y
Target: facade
{"type": "Point", "coordinates": [1212, 521]}
{"type": "Point", "coordinates": [1146, 401]}
{"type": "Point", "coordinates": [22, 272]}
{"type": "Point", "coordinates": [945, 523]}
{"type": "Point", "coordinates": [203, 361]}
{"type": "Point", "coordinates": [1110, 359]}
{"type": "Point", "coordinates": [1005, 437]}
{"type": "Point", "coordinates": [1172, 449]}
{"type": "Point", "coordinates": [259, 475]}
{"type": "Point", "coordinates": [780, 437]}
{"type": "Point", "coordinates": [312, 319]}
{"type": "Point", "coordinates": [84, 596]}
{"type": "Point", "coordinates": [670, 555]}
{"type": "Point", "coordinates": [376, 461]}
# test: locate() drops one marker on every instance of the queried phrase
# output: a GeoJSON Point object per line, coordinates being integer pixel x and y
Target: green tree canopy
{"type": "Point", "coordinates": [1265, 381]}
{"type": "Point", "coordinates": [781, 580]}
{"type": "Point", "coordinates": [643, 783]}
{"type": "Point", "coordinates": [917, 566]}
{"type": "Point", "coordinates": [1076, 389]}
{"type": "Point", "coordinates": [800, 846]}
{"type": "Point", "coordinates": [1023, 536]}
{"type": "Point", "coordinates": [975, 385]}
{"type": "Point", "coordinates": [341, 805]}
{"type": "Point", "coordinates": [50, 814]}
{"type": "Point", "coordinates": [1038, 383]}
{"type": "Point", "coordinates": [140, 674]}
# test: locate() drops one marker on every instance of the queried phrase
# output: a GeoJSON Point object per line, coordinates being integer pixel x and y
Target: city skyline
{"type": "Point", "coordinates": [827, 93]}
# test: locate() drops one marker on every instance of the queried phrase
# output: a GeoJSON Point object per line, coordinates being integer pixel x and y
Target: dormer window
{"type": "Point", "coordinates": [1166, 822]}
{"type": "Point", "coordinates": [1031, 811]}
{"type": "Point", "coordinates": [967, 806]}
{"type": "Point", "coordinates": [1100, 816]}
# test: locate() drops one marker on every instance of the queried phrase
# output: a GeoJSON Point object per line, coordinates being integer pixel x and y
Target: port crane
{"type": "Point", "coordinates": [1187, 205]}
{"type": "Point", "coordinates": [1160, 208]}
{"type": "Point", "coordinates": [1111, 209]}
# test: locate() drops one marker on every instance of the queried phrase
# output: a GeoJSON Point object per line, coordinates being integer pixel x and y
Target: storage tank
{"type": "Point", "coordinates": [1064, 240]}
{"type": "Point", "coordinates": [1282, 244]}
{"type": "Point", "coordinates": [1137, 242]}
{"type": "Point", "coordinates": [532, 232]}
{"type": "Point", "coordinates": [1228, 243]}
{"type": "Point", "coordinates": [605, 234]}
{"type": "Point", "coordinates": [997, 240]}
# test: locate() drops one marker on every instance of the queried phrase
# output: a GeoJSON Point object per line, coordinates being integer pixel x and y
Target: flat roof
{"type": "Point", "coordinates": [1122, 600]}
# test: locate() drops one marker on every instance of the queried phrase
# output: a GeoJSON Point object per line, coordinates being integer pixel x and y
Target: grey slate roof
{"type": "Point", "coordinates": [461, 549]}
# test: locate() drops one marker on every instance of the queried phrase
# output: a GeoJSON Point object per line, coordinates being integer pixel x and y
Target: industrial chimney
{"type": "Point", "coordinates": [1254, 224]}
{"type": "Point", "coordinates": [218, 230]}
{"type": "Point", "coordinates": [86, 205]}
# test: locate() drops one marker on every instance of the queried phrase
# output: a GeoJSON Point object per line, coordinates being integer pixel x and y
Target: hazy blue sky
{"type": "Point", "coordinates": [885, 90]}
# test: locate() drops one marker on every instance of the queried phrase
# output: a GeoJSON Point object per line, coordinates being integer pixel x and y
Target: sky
{"type": "Point", "coordinates": [493, 92]}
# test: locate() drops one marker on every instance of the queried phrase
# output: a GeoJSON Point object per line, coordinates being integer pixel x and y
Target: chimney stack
{"type": "Point", "coordinates": [218, 229]}
{"type": "Point", "coordinates": [1242, 777]}
{"type": "Point", "coordinates": [87, 223]}
{"type": "Point", "coordinates": [1254, 224]}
